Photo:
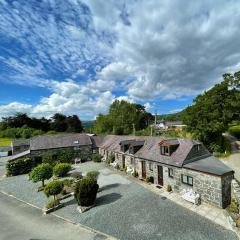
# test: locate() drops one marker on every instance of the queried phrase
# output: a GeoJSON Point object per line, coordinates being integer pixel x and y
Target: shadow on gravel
{"type": "Point", "coordinates": [108, 198]}
{"type": "Point", "coordinates": [109, 187]}
{"type": "Point", "coordinates": [71, 202]}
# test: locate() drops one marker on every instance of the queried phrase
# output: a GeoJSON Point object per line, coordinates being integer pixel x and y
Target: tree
{"type": "Point", "coordinates": [123, 117]}
{"type": "Point", "coordinates": [74, 124]}
{"type": "Point", "coordinates": [59, 123]}
{"type": "Point", "coordinates": [41, 172]}
{"type": "Point", "coordinates": [208, 117]}
{"type": "Point", "coordinates": [53, 188]}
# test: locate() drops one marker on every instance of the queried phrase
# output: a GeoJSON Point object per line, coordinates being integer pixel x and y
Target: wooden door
{"type": "Point", "coordinates": [123, 161]}
{"type": "Point", "coordinates": [160, 175]}
{"type": "Point", "coordinates": [143, 169]}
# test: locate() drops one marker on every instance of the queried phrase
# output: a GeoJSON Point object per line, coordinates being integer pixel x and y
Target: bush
{"type": "Point", "coordinates": [61, 169]}
{"type": "Point", "coordinates": [238, 222]}
{"type": "Point", "coordinates": [41, 172]}
{"type": "Point", "coordinates": [169, 188]}
{"type": "Point", "coordinates": [20, 166]}
{"type": "Point", "coordinates": [53, 188]}
{"type": "Point", "coordinates": [111, 158]}
{"type": "Point", "coordinates": [96, 157]}
{"type": "Point", "coordinates": [93, 174]}
{"type": "Point", "coordinates": [235, 131]}
{"type": "Point", "coordinates": [234, 207]}
{"type": "Point", "coordinates": [150, 179]}
{"type": "Point", "coordinates": [86, 191]}
{"type": "Point", "coordinates": [67, 182]}
{"type": "Point", "coordinates": [135, 174]}
{"type": "Point", "coordinates": [52, 203]}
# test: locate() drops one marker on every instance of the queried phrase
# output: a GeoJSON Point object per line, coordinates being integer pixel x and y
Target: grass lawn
{"type": "Point", "coordinates": [5, 141]}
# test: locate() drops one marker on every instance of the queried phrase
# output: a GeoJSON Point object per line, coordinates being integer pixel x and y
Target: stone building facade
{"type": "Point", "coordinates": [193, 169]}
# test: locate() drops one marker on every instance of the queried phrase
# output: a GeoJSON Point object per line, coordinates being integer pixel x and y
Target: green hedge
{"type": "Point", "coordinates": [86, 191]}
{"type": "Point", "coordinates": [61, 169]}
{"type": "Point", "coordinates": [20, 166]}
{"type": "Point", "coordinates": [235, 131]}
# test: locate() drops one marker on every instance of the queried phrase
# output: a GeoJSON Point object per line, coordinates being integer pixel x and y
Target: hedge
{"type": "Point", "coordinates": [61, 169]}
{"type": "Point", "coordinates": [19, 166]}
{"type": "Point", "coordinates": [235, 131]}
{"type": "Point", "coordinates": [86, 191]}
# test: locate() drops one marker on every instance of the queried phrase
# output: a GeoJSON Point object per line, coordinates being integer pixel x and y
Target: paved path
{"type": "Point", "coordinates": [233, 161]}
{"type": "Point", "coordinates": [20, 221]}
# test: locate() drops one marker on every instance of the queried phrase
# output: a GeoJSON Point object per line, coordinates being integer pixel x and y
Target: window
{"type": "Point", "coordinates": [170, 172]}
{"type": "Point", "coordinates": [187, 180]}
{"type": "Point", "coordinates": [132, 160]}
{"type": "Point", "coordinates": [165, 150]}
{"type": "Point", "coordinates": [150, 166]}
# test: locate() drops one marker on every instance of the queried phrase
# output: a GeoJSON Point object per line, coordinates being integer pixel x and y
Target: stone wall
{"type": "Point", "coordinates": [213, 189]}
{"type": "Point", "coordinates": [84, 151]}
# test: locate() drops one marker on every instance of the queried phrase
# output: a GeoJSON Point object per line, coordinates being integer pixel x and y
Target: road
{"type": "Point", "coordinates": [21, 221]}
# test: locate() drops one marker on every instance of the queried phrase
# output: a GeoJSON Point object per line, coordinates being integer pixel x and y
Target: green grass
{"type": "Point", "coordinates": [5, 141]}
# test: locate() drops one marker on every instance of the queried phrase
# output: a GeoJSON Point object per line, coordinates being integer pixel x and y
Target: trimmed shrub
{"type": "Point", "coordinates": [52, 203]}
{"type": "Point", "coordinates": [67, 182]}
{"type": "Point", "coordinates": [86, 191]}
{"type": "Point", "coordinates": [234, 207]}
{"type": "Point", "coordinates": [169, 188]}
{"type": "Point", "coordinates": [93, 174]}
{"type": "Point", "coordinates": [96, 157]}
{"type": "Point", "coordinates": [150, 179]}
{"type": "Point", "coordinates": [135, 174]}
{"type": "Point", "coordinates": [238, 222]}
{"type": "Point", "coordinates": [61, 169]}
{"type": "Point", "coordinates": [19, 166]}
{"type": "Point", "coordinates": [111, 158]}
{"type": "Point", "coordinates": [53, 188]}
{"type": "Point", "coordinates": [41, 172]}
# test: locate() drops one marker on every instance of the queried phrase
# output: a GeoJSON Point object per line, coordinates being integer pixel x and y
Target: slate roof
{"type": "Point", "coordinates": [59, 141]}
{"type": "Point", "coordinates": [21, 142]}
{"type": "Point", "coordinates": [209, 165]}
{"type": "Point", "coordinates": [19, 155]}
{"type": "Point", "coordinates": [151, 149]}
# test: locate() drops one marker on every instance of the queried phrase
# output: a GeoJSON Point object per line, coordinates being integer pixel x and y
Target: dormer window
{"type": "Point", "coordinates": [164, 150]}
{"type": "Point", "coordinates": [168, 146]}
{"type": "Point", "coordinates": [76, 142]}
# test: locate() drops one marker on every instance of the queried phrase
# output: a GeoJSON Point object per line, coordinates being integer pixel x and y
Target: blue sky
{"type": "Point", "coordinates": [76, 57]}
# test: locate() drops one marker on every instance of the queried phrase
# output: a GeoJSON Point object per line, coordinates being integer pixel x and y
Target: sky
{"type": "Point", "coordinates": [77, 57]}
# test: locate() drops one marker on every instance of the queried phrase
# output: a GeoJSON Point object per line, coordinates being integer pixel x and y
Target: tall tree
{"type": "Point", "coordinates": [123, 117]}
{"type": "Point", "coordinates": [59, 122]}
{"type": "Point", "coordinates": [208, 117]}
{"type": "Point", "coordinates": [74, 124]}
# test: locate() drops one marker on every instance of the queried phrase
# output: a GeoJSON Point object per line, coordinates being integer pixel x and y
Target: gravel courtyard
{"type": "Point", "coordinates": [126, 210]}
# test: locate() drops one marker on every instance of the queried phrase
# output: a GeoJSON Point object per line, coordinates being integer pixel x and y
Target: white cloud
{"type": "Point", "coordinates": [85, 54]}
{"type": "Point", "coordinates": [14, 107]}
{"type": "Point", "coordinates": [174, 55]}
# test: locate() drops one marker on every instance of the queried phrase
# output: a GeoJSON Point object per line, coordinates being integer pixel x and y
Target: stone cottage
{"type": "Point", "coordinates": [81, 144]}
{"type": "Point", "coordinates": [181, 163]}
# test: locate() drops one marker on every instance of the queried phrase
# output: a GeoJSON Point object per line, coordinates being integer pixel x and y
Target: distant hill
{"type": "Point", "coordinates": [87, 124]}
{"type": "Point", "coordinates": [172, 117]}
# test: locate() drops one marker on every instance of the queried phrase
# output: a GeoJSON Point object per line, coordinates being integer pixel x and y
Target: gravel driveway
{"type": "Point", "coordinates": [126, 210]}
